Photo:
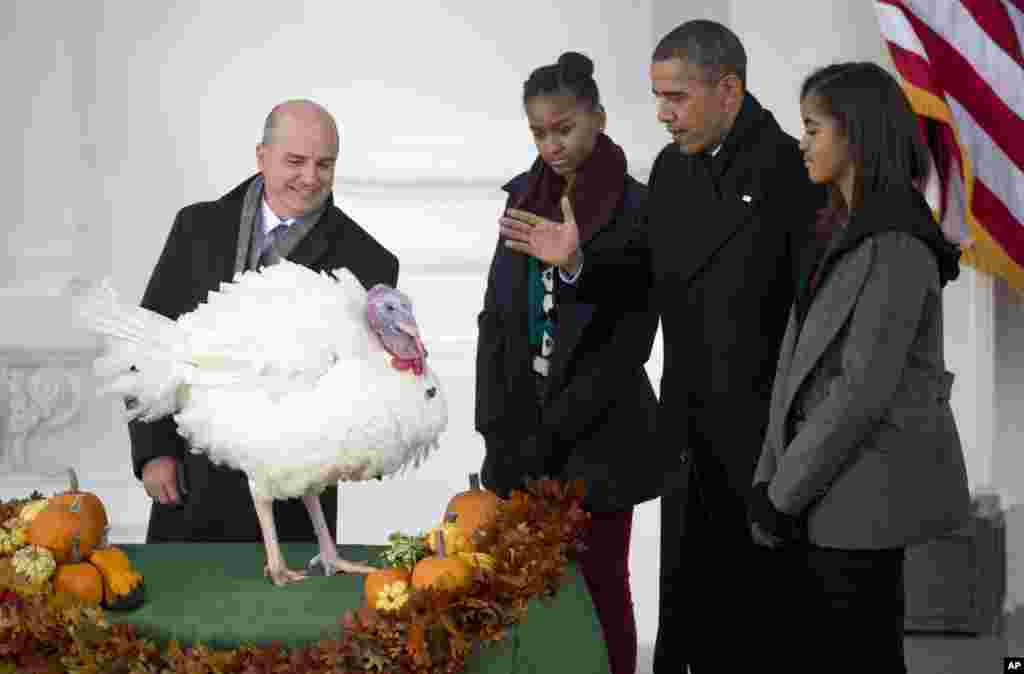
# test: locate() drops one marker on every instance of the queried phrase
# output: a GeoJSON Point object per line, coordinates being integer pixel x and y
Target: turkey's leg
{"type": "Point", "coordinates": [328, 557]}
{"type": "Point", "coordinates": [275, 568]}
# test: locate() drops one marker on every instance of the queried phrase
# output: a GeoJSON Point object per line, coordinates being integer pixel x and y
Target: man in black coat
{"type": "Point", "coordinates": [728, 235]}
{"type": "Point", "coordinates": [285, 211]}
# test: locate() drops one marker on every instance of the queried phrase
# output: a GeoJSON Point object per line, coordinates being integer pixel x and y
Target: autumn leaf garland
{"type": "Point", "coordinates": [431, 632]}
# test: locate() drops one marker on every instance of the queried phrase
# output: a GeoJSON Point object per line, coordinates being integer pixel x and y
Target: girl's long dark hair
{"type": "Point", "coordinates": [875, 116]}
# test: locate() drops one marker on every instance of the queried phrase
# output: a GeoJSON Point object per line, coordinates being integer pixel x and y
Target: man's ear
{"type": "Point", "coordinates": [733, 88]}
{"type": "Point", "coordinates": [261, 151]}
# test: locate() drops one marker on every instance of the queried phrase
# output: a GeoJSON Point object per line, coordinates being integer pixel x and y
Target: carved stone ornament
{"type": "Point", "coordinates": [34, 398]}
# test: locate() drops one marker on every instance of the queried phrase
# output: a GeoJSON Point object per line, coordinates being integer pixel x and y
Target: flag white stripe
{"type": "Point", "coordinates": [991, 165]}
{"type": "Point", "coordinates": [896, 28]}
{"type": "Point", "coordinates": [1017, 18]}
{"type": "Point", "coordinates": [957, 27]}
{"type": "Point", "coordinates": [955, 220]}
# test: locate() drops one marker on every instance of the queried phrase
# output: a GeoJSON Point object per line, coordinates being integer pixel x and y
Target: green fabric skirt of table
{"type": "Point", "coordinates": [216, 594]}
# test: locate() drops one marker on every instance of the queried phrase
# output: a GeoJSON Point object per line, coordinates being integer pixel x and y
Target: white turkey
{"type": "Point", "coordinates": [297, 378]}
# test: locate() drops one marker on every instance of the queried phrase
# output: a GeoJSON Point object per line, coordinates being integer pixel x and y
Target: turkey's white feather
{"type": "Point", "coordinates": [276, 374]}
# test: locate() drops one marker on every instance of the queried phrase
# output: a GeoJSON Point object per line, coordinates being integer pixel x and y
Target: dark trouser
{"type": "Point", "coordinates": [720, 593]}
{"type": "Point", "coordinates": [605, 568]}
{"type": "Point", "coordinates": [854, 608]}
{"type": "Point", "coordinates": [219, 509]}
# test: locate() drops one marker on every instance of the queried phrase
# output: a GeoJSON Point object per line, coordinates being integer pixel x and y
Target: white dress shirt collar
{"type": "Point", "coordinates": [271, 220]}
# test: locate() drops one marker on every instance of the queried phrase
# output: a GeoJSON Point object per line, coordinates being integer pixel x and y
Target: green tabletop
{"type": "Point", "coordinates": [215, 593]}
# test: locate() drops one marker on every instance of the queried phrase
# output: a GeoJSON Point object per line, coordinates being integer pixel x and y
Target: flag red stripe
{"type": "Point", "coordinates": [962, 81]}
{"type": "Point", "coordinates": [998, 222]}
{"type": "Point", "coordinates": [915, 70]}
{"type": "Point", "coordinates": [948, 139]}
{"type": "Point", "coordinates": [994, 19]}
{"type": "Point", "coordinates": [946, 153]}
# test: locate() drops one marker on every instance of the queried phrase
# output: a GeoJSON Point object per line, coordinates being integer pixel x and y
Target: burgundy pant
{"type": "Point", "coordinates": [605, 568]}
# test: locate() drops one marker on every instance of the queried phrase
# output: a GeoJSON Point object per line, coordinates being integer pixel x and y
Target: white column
{"type": "Point", "coordinates": [977, 362]}
{"type": "Point", "coordinates": [1007, 461]}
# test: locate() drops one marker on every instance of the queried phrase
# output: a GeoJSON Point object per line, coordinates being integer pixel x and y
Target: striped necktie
{"type": "Point", "coordinates": [268, 255]}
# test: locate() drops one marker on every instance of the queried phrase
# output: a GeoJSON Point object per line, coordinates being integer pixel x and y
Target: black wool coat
{"type": "Point", "coordinates": [726, 242]}
{"type": "Point", "coordinates": [597, 419]}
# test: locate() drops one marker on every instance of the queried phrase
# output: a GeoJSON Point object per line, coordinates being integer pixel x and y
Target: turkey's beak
{"type": "Point", "coordinates": [410, 329]}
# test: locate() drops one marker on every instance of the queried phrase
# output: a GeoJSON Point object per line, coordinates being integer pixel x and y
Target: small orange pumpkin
{"type": "Point", "coordinates": [442, 572]}
{"type": "Point", "coordinates": [82, 580]}
{"type": "Point", "coordinates": [89, 504]}
{"type": "Point", "coordinates": [69, 516]}
{"type": "Point", "coordinates": [379, 579]}
{"type": "Point", "coordinates": [473, 512]}
{"type": "Point", "coordinates": [62, 530]}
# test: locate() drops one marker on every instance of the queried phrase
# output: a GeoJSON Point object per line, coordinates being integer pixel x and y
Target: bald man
{"type": "Point", "coordinates": [286, 211]}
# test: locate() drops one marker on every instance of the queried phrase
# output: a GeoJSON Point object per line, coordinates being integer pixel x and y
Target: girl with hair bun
{"type": "Point", "coordinates": [561, 386]}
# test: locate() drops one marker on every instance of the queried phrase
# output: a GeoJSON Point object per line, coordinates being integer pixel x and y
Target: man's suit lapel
{"type": "Point", "coordinates": [702, 235]}
{"type": "Point", "coordinates": [826, 316]}
{"type": "Point", "coordinates": [315, 244]}
{"type": "Point", "coordinates": [710, 237]}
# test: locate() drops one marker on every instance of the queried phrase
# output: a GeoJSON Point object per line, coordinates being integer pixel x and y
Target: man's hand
{"type": "Point", "coordinates": [762, 537]}
{"type": "Point", "coordinates": [556, 243]}
{"type": "Point", "coordinates": [159, 477]}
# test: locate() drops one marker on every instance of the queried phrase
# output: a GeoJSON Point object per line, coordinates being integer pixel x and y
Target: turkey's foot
{"type": "Point", "coordinates": [329, 565]}
{"type": "Point", "coordinates": [346, 566]}
{"type": "Point", "coordinates": [283, 575]}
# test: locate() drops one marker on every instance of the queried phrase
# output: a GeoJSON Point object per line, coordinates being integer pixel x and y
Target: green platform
{"type": "Point", "coordinates": [215, 593]}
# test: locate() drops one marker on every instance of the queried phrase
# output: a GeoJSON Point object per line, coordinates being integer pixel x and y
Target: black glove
{"type": "Point", "coordinates": [763, 513]}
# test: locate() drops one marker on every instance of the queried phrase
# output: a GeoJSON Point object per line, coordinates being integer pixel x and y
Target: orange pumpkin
{"type": "Point", "coordinates": [473, 512]}
{"type": "Point", "coordinates": [89, 504]}
{"type": "Point", "coordinates": [82, 580]}
{"type": "Point", "coordinates": [442, 572]}
{"type": "Point", "coordinates": [68, 516]}
{"type": "Point", "coordinates": [379, 579]}
{"type": "Point", "coordinates": [63, 530]}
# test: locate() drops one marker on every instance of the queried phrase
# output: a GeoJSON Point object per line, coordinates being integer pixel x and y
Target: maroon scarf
{"type": "Point", "coordinates": [596, 192]}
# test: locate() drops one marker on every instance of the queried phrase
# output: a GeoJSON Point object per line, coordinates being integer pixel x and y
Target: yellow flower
{"type": "Point", "coordinates": [35, 563]}
{"type": "Point", "coordinates": [393, 596]}
{"type": "Point", "coordinates": [478, 559]}
{"type": "Point", "coordinates": [32, 508]}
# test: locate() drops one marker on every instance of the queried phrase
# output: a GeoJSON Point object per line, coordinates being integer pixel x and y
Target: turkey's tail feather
{"type": "Point", "coordinates": [146, 356]}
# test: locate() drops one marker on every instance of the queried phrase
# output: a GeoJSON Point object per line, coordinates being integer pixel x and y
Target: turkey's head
{"type": "Point", "coordinates": [389, 313]}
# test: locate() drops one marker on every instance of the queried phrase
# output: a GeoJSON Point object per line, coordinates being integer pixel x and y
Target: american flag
{"type": "Point", "coordinates": [962, 68]}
